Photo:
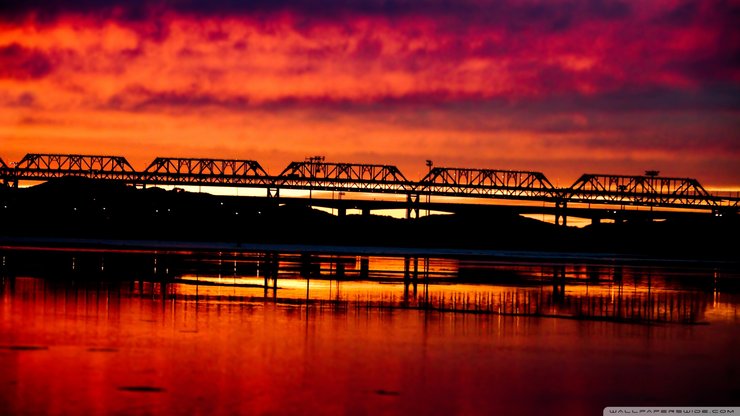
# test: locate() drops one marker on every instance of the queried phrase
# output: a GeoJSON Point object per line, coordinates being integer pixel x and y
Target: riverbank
{"type": "Point", "coordinates": [84, 213]}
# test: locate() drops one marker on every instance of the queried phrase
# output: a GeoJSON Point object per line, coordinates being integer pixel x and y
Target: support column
{"type": "Point", "coordinates": [412, 206]}
{"type": "Point", "coordinates": [364, 268]}
{"type": "Point", "coordinates": [560, 213]}
{"type": "Point", "coordinates": [558, 284]}
{"type": "Point", "coordinates": [406, 281]}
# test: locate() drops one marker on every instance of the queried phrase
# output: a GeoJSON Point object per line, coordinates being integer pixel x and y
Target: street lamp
{"type": "Point", "coordinates": [429, 164]}
{"type": "Point", "coordinates": [314, 167]}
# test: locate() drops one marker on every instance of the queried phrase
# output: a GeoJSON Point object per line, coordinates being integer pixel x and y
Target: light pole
{"type": "Point", "coordinates": [313, 167]}
{"type": "Point", "coordinates": [429, 164]}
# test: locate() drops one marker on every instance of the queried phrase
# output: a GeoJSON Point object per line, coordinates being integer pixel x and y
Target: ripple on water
{"type": "Point", "coordinates": [102, 349]}
{"type": "Point", "coordinates": [24, 347]}
{"type": "Point", "coordinates": [142, 389]}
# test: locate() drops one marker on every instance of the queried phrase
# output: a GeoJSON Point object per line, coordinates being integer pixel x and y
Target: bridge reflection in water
{"type": "Point", "coordinates": [596, 290]}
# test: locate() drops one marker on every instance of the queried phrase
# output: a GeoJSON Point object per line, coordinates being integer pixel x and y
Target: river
{"type": "Point", "coordinates": [143, 332]}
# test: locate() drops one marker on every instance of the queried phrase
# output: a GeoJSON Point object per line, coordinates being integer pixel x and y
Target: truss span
{"type": "Point", "coordinates": [4, 173]}
{"type": "Point", "coordinates": [211, 172]}
{"type": "Point", "coordinates": [487, 183]}
{"type": "Point", "coordinates": [349, 177]}
{"type": "Point", "coordinates": [316, 174]}
{"type": "Point", "coordinates": [639, 190]}
{"type": "Point", "coordinates": [47, 166]}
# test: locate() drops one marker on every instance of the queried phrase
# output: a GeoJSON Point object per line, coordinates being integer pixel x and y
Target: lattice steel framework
{"type": "Point", "coordinates": [4, 172]}
{"type": "Point", "coordinates": [640, 190]}
{"type": "Point", "coordinates": [211, 172]}
{"type": "Point", "coordinates": [487, 183]}
{"type": "Point", "coordinates": [315, 174]}
{"type": "Point", "coordinates": [47, 166]}
{"type": "Point", "coordinates": [343, 177]}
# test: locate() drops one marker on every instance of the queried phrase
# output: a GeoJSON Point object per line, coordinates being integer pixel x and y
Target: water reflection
{"type": "Point", "coordinates": [279, 333]}
{"type": "Point", "coordinates": [615, 291]}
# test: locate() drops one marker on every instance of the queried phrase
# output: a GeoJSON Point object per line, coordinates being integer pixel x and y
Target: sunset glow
{"type": "Point", "coordinates": [562, 87]}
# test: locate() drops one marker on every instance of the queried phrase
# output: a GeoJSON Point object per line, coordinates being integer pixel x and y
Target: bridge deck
{"type": "Point", "coordinates": [315, 174]}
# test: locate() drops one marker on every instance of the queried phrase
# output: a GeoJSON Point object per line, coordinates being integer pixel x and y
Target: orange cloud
{"type": "Point", "coordinates": [608, 87]}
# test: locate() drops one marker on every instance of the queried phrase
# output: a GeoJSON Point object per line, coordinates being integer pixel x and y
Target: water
{"type": "Point", "coordinates": [93, 332]}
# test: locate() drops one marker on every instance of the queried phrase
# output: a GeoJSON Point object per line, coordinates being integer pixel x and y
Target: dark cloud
{"type": "Point", "coordinates": [139, 98]}
{"type": "Point", "coordinates": [548, 15]}
{"type": "Point", "coordinates": [683, 14]}
{"type": "Point", "coordinates": [716, 60]}
{"type": "Point", "coordinates": [22, 63]}
{"type": "Point", "coordinates": [716, 99]}
{"type": "Point", "coordinates": [368, 49]}
{"type": "Point", "coordinates": [712, 66]}
{"type": "Point", "coordinates": [686, 13]}
{"type": "Point", "coordinates": [46, 11]}
{"type": "Point", "coordinates": [26, 99]}
{"type": "Point", "coordinates": [651, 141]}
{"type": "Point", "coordinates": [39, 121]}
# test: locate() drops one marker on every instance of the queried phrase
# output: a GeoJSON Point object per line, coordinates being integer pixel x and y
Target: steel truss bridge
{"type": "Point", "coordinates": [314, 174]}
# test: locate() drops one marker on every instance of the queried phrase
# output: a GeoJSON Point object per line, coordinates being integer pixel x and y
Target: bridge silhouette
{"type": "Point", "coordinates": [591, 196]}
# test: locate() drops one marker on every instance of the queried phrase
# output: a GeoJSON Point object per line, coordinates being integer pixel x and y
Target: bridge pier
{"type": "Point", "coordinates": [339, 271]}
{"type": "Point", "coordinates": [412, 208]}
{"type": "Point", "coordinates": [558, 284]}
{"type": "Point", "coordinates": [561, 218]}
{"type": "Point", "coordinates": [406, 277]}
{"type": "Point", "coordinates": [364, 268]}
{"type": "Point", "coordinates": [406, 262]}
{"type": "Point", "coordinates": [271, 270]}
{"type": "Point", "coordinates": [306, 268]}
{"type": "Point", "coordinates": [273, 192]}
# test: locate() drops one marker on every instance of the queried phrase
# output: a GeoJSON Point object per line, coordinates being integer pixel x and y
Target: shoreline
{"type": "Point", "coordinates": [90, 214]}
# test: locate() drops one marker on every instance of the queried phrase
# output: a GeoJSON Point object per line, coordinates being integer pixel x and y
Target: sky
{"type": "Point", "coordinates": [559, 86]}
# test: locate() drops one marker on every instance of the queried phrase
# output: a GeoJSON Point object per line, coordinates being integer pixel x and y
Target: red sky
{"type": "Point", "coordinates": [564, 86]}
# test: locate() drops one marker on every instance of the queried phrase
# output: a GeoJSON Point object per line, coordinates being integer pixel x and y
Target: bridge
{"type": "Point", "coordinates": [594, 196]}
